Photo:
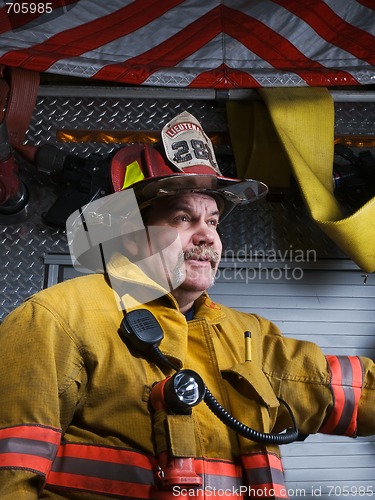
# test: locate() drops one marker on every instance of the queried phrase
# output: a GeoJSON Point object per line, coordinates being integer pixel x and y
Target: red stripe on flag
{"type": "Point", "coordinates": [278, 51]}
{"type": "Point", "coordinates": [88, 36]}
{"type": "Point", "coordinates": [333, 28]}
{"type": "Point", "coordinates": [110, 27]}
{"type": "Point", "coordinates": [168, 53]}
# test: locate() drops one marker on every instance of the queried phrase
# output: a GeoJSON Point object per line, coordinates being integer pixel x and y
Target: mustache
{"type": "Point", "coordinates": [201, 253]}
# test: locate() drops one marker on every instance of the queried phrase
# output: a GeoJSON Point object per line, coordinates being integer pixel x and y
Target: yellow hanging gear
{"type": "Point", "coordinates": [304, 121]}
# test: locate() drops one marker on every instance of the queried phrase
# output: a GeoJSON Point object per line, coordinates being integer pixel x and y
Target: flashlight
{"type": "Point", "coordinates": [179, 393]}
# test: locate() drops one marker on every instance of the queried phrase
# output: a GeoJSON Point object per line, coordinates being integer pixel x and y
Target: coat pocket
{"type": "Point", "coordinates": [248, 379]}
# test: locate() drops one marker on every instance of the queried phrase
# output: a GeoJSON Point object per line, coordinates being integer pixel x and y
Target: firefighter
{"type": "Point", "coordinates": [131, 382]}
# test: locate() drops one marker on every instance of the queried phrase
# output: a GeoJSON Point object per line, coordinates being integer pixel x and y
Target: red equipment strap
{"type": "Point", "coordinates": [18, 94]}
{"type": "Point", "coordinates": [4, 91]}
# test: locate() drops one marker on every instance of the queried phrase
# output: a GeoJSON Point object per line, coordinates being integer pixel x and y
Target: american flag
{"type": "Point", "coordinates": [193, 43]}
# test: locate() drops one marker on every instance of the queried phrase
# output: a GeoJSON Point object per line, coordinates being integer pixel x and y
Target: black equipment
{"type": "Point", "coordinates": [353, 175]}
{"type": "Point", "coordinates": [82, 179]}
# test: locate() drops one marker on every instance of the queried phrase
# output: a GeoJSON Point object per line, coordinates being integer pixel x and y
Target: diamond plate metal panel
{"type": "Point", "coordinates": [357, 118]}
{"type": "Point", "coordinates": [275, 229]}
{"type": "Point", "coordinates": [24, 239]}
{"type": "Point", "coordinates": [91, 113]}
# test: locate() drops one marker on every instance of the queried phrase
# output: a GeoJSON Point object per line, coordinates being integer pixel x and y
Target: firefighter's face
{"type": "Point", "coordinates": [195, 218]}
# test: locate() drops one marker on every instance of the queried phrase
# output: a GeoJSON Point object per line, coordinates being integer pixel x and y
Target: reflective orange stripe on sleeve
{"type": "Point", "coordinates": [31, 447]}
{"type": "Point", "coordinates": [265, 475]}
{"type": "Point", "coordinates": [346, 383]}
{"type": "Point", "coordinates": [100, 469]}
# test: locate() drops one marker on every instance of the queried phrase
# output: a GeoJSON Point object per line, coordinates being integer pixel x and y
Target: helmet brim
{"type": "Point", "coordinates": [233, 192]}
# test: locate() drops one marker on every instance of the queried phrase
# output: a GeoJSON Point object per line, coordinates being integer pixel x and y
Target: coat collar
{"type": "Point", "coordinates": [135, 290]}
